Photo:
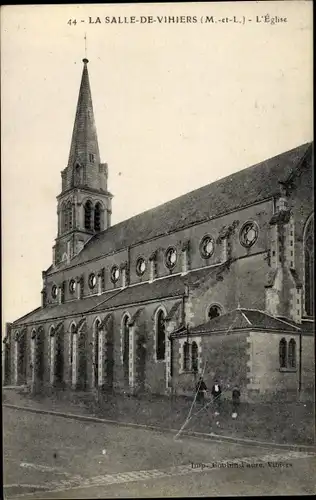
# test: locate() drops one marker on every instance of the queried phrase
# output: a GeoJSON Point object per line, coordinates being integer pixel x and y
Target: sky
{"type": "Point", "coordinates": [177, 105]}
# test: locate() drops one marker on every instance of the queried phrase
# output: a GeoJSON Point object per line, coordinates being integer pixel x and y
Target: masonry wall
{"type": "Point", "coordinates": [264, 365]}
{"type": "Point", "coordinates": [260, 213]}
{"type": "Point", "coordinates": [242, 284]}
{"type": "Point", "coordinates": [308, 365]}
{"type": "Point", "coordinates": [302, 205]}
{"type": "Point", "coordinates": [225, 359]}
{"type": "Point", "coordinates": [26, 377]}
{"type": "Point", "coordinates": [154, 371]}
{"type": "Point", "coordinates": [301, 202]}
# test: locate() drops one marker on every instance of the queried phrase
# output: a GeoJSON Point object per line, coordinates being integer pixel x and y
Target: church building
{"type": "Point", "coordinates": [218, 282]}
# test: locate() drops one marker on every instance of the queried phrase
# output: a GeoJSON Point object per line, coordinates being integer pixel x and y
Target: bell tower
{"type": "Point", "coordinates": [84, 204]}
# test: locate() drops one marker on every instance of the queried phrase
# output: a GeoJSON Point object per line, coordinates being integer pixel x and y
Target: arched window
{"type": "Point", "coordinates": [125, 347]}
{"type": "Point", "coordinates": [69, 215]}
{"type": "Point", "coordinates": [186, 356]}
{"type": "Point", "coordinates": [96, 351]}
{"type": "Point", "coordinates": [39, 354]}
{"type": "Point", "coordinates": [22, 357]}
{"type": "Point", "coordinates": [71, 343]}
{"type": "Point", "coordinates": [52, 348]}
{"type": "Point", "coordinates": [309, 268]}
{"type": "Point", "coordinates": [292, 354]}
{"type": "Point", "coordinates": [64, 217]}
{"type": "Point", "coordinates": [87, 214]}
{"type": "Point", "coordinates": [7, 362]}
{"type": "Point", "coordinates": [160, 336]}
{"type": "Point", "coordinates": [97, 217]}
{"type": "Point", "coordinates": [194, 358]}
{"type": "Point", "coordinates": [283, 353]}
{"type": "Point", "coordinates": [214, 311]}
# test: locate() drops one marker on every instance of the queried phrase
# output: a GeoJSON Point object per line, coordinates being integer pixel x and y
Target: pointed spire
{"type": "Point", "coordinates": [84, 148]}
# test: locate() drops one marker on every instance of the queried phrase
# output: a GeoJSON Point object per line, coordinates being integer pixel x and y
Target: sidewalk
{"type": "Point", "coordinates": [291, 424]}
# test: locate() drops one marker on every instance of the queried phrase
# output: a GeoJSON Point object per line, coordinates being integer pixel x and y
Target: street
{"type": "Point", "coordinates": [52, 457]}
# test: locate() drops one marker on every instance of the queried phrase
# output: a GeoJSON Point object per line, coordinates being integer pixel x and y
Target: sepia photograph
{"type": "Point", "coordinates": [158, 301]}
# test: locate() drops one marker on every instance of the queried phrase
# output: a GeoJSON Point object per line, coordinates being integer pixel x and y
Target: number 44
{"type": "Point", "coordinates": [72, 21]}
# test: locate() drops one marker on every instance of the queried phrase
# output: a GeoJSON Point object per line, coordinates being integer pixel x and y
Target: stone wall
{"type": "Point", "coordinates": [224, 358]}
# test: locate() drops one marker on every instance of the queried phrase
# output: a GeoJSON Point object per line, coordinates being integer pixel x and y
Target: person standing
{"type": "Point", "coordinates": [216, 395]}
{"type": "Point", "coordinates": [200, 389]}
{"type": "Point", "coordinates": [235, 401]}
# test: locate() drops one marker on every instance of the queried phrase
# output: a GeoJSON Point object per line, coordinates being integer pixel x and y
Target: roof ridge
{"type": "Point", "coordinates": [275, 317]}
{"type": "Point", "coordinates": [209, 184]}
{"type": "Point", "coordinates": [299, 165]}
{"type": "Point", "coordinates": [27, 314]}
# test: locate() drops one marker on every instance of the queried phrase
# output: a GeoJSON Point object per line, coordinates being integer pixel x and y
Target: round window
{"type": "Point", "coordinates": [214, 311]}
{"type": "Point", "coordinates": [72, 286]}
{"type": "Point", "coordinates": [140, 266]}
{"type": "Point", "coordinates": [207, 247]}
{"type": "Point", "coordinates": [248, 234]}
{"type": "Point", "coordinates": [92, 281]}
{"type": "Point", "coordinates": [171, 257]}
{"type": "Point", "coordinates": [54, 291]}
{"type": "Point", "coordinates": [115, 274]}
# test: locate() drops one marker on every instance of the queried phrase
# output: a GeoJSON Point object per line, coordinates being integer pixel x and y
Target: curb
{"type": "Point", "coordinates": [201, 435]}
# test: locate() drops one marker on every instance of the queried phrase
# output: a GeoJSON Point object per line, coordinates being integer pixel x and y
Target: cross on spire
{"type": "Point", "coordinates": [85, 45]}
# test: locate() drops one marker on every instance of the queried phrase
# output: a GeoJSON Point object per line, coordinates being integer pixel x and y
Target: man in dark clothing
{"type": "Point", "coordinates": [200, 389]}
{"type": "Point", "coordinates": [235, 399]}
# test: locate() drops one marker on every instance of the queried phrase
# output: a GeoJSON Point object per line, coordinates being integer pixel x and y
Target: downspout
{"type": "Point", "coordinates": [300, 367]}
{"type": "Point", "coordinates": [185, 296]}
{"type": "Point", "coordinates": [171, 359]}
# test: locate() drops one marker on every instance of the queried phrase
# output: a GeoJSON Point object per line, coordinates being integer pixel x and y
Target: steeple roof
{"type": "Point", "coordinates": [84, 140]}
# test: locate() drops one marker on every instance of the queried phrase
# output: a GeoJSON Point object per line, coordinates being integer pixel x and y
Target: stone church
{"type": "Point", "coordinates": [219, 282]}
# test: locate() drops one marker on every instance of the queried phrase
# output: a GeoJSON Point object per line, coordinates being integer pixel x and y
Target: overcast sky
{"type": "Point", "coordinates": [177, 106]}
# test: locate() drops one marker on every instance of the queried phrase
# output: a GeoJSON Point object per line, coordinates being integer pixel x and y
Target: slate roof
{"type": "Point", "coordinates": [84, 136]}
{"type": "Point", "coordinates": [59, 311]}
{"type": "Point", "coordinates": [245, 319]}
{"type": "Point", "coordinates": [172, 286]}
{"type": "Point", "coordinates": [247, 186]}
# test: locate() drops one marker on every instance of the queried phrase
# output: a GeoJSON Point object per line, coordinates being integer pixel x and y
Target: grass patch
{"type": "Point", "coordinates": [279, 422]}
